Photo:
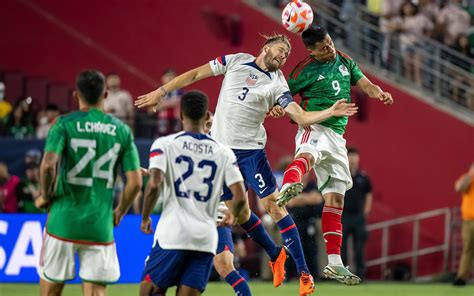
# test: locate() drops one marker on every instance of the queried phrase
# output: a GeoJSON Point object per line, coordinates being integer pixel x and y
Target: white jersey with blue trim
{"type": "Point", "coordinates": [195, 168]}
{"type": "Point", "coordinates": [246, 95]}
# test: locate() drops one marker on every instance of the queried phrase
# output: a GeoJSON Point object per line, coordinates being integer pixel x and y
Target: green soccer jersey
{"type": "Point", "coordinates": [91, 145]}
{"type": "Point", "coordinates": [320, 85]}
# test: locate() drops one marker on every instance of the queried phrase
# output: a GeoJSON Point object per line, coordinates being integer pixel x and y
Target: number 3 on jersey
{"type": "Point", "coordinates": [208, 181]}
{"type": "Point", "coordinates": [245, 91]}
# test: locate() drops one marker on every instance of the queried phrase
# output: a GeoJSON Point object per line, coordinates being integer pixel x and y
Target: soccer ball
{"type": "Point", "coordinates": [297, 16]}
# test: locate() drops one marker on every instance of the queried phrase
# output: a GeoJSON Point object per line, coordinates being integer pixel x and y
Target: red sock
{"type": "Point", "coordinates": [332, 229]}
{"type": "Point", "coordinates": [296, 170]}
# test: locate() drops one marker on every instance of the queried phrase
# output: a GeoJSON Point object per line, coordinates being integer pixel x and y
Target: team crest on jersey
{"type": "Point", "coordinates": [252, 79]}
{"type": "Point", "coordinates": [343, 70]}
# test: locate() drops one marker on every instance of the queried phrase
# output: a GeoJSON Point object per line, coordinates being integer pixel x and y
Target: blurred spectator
{"type": "Point", "coordinates": [33, 156]}
{"type": "Point", "coordinates": [46, 119]}
{"type": "Point", "coordinates": [20, 122]}
{"type": "Point", "coordinates": [8, 190]}
{"type": "Point", "coordinates": [119, 102]}
{"type": "Point", "coordinates": [357, 206]}
{"type": "Point", "coordinates": [305, 210]}
{"type": "Point", "coordinates": [5, 107]}
{"type": "Point", "coordinates": [429, 8]}
{"type": "Point", "coordinates": [411, 26]}
{"type": "Point", "coordinates": [463, 86]}
{"type": "Point", "coordinates": [29, 190]}
{"type": "Point", "coordinates": [453, 21]}
{"type": "Point", "coordinates": [168, 111]}
{"type": "Point", "coordinates": [389, 10]}
{"type": "Point", "coordinates": [465, 186]}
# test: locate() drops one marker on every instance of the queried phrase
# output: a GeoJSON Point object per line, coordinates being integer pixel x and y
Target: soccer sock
{"type": "Point", "coordinates": [292, 241]}
{"type": "Point", "coordinates": [332, 232]}
{"type": "Point", "coordinates": [238, 283]}
{"type": "Point", "coordinates": [257, 232]}
{"type": "Point", "coordinates": [296, 170]}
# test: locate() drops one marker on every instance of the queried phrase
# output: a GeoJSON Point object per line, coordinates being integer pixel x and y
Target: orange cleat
{"type": "Point", "coordinates": [306, 284]}
{"type": "Point", "coordinates": [278, 267]}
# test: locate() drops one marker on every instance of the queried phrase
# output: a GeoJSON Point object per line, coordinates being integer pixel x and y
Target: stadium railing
{"type": "Point", "coordinates": [416, 251]}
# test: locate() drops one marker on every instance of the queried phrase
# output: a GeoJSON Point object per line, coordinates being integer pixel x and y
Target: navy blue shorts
{"type": "Point", "coordinates": [256, 171]}
{"type": "Point", "coordinates": [225, 242]}
{"type": "Point", "coordinates": [167, 268]}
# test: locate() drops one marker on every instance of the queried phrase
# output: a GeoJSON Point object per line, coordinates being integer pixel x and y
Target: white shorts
{"type": "Point", "coordinates": [97, 263]}
{"type": "Point", "coordinates": [329, 151]}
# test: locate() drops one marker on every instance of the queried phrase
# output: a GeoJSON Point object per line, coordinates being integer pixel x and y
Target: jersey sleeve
{"type": "Point", "coordinates": [56, 139]}
{"type": "Point", "coordinates": [130, 159]}
{"type": "Point", "coordinates": [282, 92]}
{"type": "Point", "coordinates": [220, 64]}
{"type": "Point", "coordinates": [356, 73]}
{"type": "Point", "coordinates": [157, 155]}
{"type": "Point", "coordinates": [232, 173]}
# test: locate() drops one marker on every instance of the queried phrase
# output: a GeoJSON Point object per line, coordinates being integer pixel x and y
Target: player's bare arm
{"type": "Point", "coordinates": [154, 98]}
{"type": "Point", "coordinates": [374, 91]}
{"type": "Point", "coordinates": [48, 172]}
{"type": "Point", "coordinates": [239, 199]}
{"type": "Point", "coordinates": [133, 186]}
{"type": "Point", "coordinates": [301, 117]}
{"type": "Point", "coordinates": [277, 111]}
{"type": "Point", "coordinates": [152, 191]}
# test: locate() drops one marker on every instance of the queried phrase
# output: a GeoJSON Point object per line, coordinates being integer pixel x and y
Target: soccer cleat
{"type": "Point", "coordinates": [341, 274]}
{"type": "Point", "coordinates": [278, 267]}
{"type": "Point", "coordinates": [306, 284]}
{"type": "Point", "coordinates": [288, 191]}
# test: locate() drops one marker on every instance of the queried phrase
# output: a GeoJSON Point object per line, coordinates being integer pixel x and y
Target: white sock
{"type": "Point", "coordinates": [334, 259]}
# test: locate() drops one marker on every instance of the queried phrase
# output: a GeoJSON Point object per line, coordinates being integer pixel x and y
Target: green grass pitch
{"type": "Point", "coordinates": [266, 289]}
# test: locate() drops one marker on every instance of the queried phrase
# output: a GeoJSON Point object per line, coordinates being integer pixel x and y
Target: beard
{"type": "Point", "coordinates": [270, 63]}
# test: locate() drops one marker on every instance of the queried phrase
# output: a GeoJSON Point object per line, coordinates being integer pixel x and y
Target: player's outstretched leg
{"type": "Point", "coordinates": [255, 229]}
{"type": "Point", "coordinates": [332, 232]}
{"type": "Point", "coordinates": [224, 263]}
{"type": "Point", "coordinates": [292, 185]}
{"type": "Point", "coordinates": [292, 241]}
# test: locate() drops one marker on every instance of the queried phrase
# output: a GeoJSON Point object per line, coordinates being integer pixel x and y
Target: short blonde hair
{"type": "Point", "coordinates": [277, 38]}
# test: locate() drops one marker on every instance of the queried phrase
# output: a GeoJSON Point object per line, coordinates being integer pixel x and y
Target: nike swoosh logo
{"type": "Point", "coordinates": [261, 191]}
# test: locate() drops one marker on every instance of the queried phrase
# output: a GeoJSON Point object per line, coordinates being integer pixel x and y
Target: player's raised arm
{"type": "Point", "coordinates": [154, 98]}
{"type": "Point", "coordinates": [374, 91]}
{"type": "Point", "coordinates": [152, 191]}
{"type": "Point", "coordinates": [301, 117]}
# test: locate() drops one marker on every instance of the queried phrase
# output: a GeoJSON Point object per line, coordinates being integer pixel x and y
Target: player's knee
{"type": "Point", "coordinates": [308, 157]}
{"type": "Point", "coordinates": [333, 199]}
{"type": "Point", "coordinates": [277, 213]}
{"type": "Point", "coordinates": [148, 289]}
{"type": "Point", "coordinates": [223, 264]}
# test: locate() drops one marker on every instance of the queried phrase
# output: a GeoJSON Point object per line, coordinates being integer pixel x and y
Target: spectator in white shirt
{"type": "Point", "coordinates": [119, 102]}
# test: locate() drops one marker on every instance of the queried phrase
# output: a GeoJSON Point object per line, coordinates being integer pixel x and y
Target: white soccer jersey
{"type": "Point", "coordinates": [195, 168]}
{"type": "Point", "coordinates": [246, 95]}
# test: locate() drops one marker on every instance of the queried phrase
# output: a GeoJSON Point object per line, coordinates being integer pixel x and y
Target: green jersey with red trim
{"type": "Point", "coordinates": [320, 85]}
{"type": "Point", "coordinates": [91, 146]}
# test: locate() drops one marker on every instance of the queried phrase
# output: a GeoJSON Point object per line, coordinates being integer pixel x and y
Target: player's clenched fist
{"type": "Point", "coordinates": [146, 226]}
{"type": "Point", "coordinates": [386, 98]}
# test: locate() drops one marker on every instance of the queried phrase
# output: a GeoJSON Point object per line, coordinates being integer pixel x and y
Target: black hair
{"type": "Point", "coordinates": [352, 150]}
{"type": "Point", "coordinates": [90, 84]}
{"type": "Point", "coordinates": [416, 8]}
{"type": "Point", "coordinates": [313, 35]}
{"type": "Point", "coordinates": [194, 105]}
